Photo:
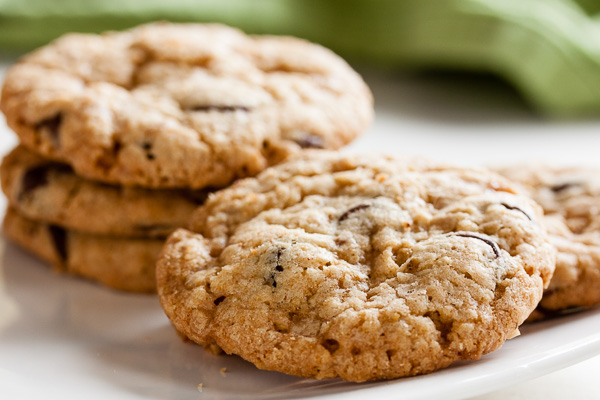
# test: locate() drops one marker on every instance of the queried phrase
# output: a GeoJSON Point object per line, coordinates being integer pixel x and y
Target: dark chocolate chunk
{"type": "Point", "coordinates": [116, 148]}
{"type": "Point", "coordinates": [199, 196]}
{"type": "Point", "coordinates": [311, 142]}
{"type": "Point", "coordinates": [390, 353]}
{"type": "Point", "coordinates": [331, 345]}
{"type": "Point", "coordinates": [153, 228]}
{"type": "Point", "coordinates": [517, 209]}
{"type": "Point", "coordinates": [219, 300]}
{"type": "Point", "coordinates": [59, 238]}
{"type": "Point", "coordinates": [278, 268]}
{"type": "Point", "coordinates": [352, 210]}
{"type": "Point", "coordinates": [51, 125]}
{"type": "Point", "coordinates": [219, 108]}
{"type": "Point", "coordinates": [147, 147]}
{"type": "Point", "coordinates": [487, 241]}
{"type": "Point", "coordinates": [340, 242]}
{"type": "Point", "coordinates": [563, 186]}
{"type": "Point", "coordinates": [37, 176]}
{"type": "Point", "coordinates": [109, 156]}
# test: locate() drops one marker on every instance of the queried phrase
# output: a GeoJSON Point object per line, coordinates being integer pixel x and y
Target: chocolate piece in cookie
{"type": "Point", "coordinates": [570, 198]}
{"type": "Point", "coordinates": [359, 267]}
{"type": "Point", "coordinates": [181, 105]}
{"type": "Point", "coordinates": [485, 240]}
{"type": "Point", "coordinates": [37, 176]}
{"type": "Point", "coordinates": [120, 263]}
{"type": "Point", "coordinates": [48, 191]}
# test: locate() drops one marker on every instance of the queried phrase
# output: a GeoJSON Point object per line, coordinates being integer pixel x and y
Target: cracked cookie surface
{"type": "Point", "coordinates": [120, 263]}
{"type": "Point", "coordinates": [181, 105]}
{"type": "Point", "coordinates": [570, 198]}
{"type": "Point", "coordinates": [51, 192]}
{"type": "Point", "coordinates": [359, 267]}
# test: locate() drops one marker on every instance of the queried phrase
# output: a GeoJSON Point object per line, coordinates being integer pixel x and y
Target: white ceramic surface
{"type": "Point", "coordinates": [65, 338]}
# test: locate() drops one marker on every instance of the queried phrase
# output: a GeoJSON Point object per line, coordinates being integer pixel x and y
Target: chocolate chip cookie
{"type": "Point", "coordinates": [50, 192]}
{"type": "Point", "coordinates": [181, 105]}
{"type": "Point", "coordinates": [359, 267]}
{"type": "Point", "coordinates": [570, 198]}
{"type": "Point", "coordinates": [120, 263]}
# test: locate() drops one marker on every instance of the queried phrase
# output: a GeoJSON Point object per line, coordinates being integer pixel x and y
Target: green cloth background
{"type": "Point", "coordinates": [548, 49]}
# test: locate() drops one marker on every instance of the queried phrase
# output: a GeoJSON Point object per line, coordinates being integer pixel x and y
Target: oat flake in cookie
{"type": "Point", "coordinates": [570, 198]}
{"type": "Point", "coordinates": [359, 267]}
{"type": "Point", "coordinates": [188, 105]}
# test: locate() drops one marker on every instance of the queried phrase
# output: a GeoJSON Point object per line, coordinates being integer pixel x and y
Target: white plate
{"type": "Point", "coordinates": [61, 338]}
{"type": "Point", "coordinates": [64, 338]}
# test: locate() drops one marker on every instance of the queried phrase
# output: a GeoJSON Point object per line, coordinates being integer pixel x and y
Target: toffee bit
{"type": "Point", "coordinates": [223, 371]}
{"type": "Point", "coordinates": [517, 209]}
{"type": "Point", "coordinates": [487, 241]}
{"type": "Point", "coordinates": [200, 387]}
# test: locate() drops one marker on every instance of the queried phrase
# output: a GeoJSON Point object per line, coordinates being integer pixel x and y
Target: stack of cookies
{"type": "Point", "coordinates": [124, 134]}
{"type": "Point", "coordinates": [319, 264]}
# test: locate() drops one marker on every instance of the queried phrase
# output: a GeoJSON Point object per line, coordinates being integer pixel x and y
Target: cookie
{"type": "Point", "coordinates": [51, 192]}
{"type": "Point", "coordinates": [570, 198]}
{"type": "Point", "coordinates": [181, 105]}
{"type": "Point", "coordinates": [359, 267]}
{"type": "Point", "coordinates": [119, 263]}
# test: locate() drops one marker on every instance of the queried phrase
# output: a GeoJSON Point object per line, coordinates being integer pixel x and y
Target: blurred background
{"type": "Point", "coordinates": [473, 82]}
{"type": "Point", "coordinates": [547, 50]}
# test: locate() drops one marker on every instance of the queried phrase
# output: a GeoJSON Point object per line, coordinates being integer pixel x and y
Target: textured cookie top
{"type": "Point", "coordinates": [570, 198]}
{"type": "Point", "coordinates": [356, 266]}
{"type": "Point", "coordinates": [49, 191]}
{"type": "Point", "coordinates": [167, 105]}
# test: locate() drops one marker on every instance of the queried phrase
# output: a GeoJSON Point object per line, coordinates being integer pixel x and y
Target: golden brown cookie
{"type": "Point", "coordinates": [570, 198]}
{"type": "Point", "coordinates": [120, 263]}
{"type": "Point", "coordinates": [181, 105]}
{"type": "Point", "coordinates": [51, 192]}
{"type": "Point", "coordinates": [359, 267]}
